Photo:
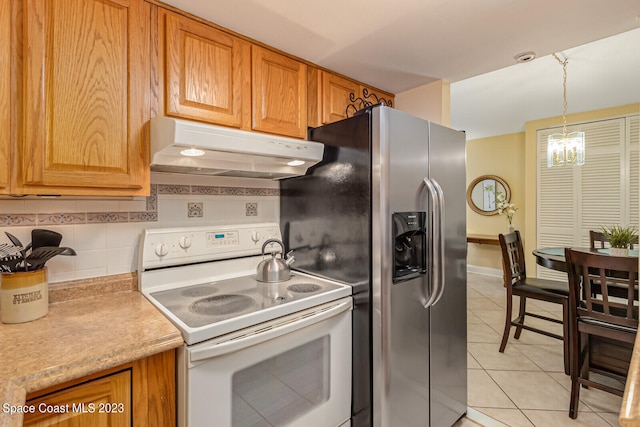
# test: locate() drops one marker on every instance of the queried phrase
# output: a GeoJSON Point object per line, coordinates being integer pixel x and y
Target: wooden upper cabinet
{"type": "Point", "coordinates": [336, 96]}
{"type": "Point", "coordinates": [208, 72]}
{"type": "Point", "coordinates": [279, 94]}
{"type": "Point", "coordinates": [86, 97]}
{"type": "Point", "coordinates": [333, 97]}
{"type": "Point", "coordinates": [5, 95]}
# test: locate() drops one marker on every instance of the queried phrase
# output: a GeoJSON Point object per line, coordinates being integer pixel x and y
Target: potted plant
{"type": "Point", "coordinates": [619, 238]}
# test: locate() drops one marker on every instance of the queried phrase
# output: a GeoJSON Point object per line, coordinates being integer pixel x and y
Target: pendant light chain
{"type": "Point", "coordinates": [564, 93]}
{"type": "Point", "coordinates": [565, 148]}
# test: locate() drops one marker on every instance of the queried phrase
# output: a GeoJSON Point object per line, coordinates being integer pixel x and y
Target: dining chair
{"type": "Point", "coordinates": [602, 327]}
{"type": "Point", "coordinates": [518, 284]}
{"type": "Point", "coordinates": [597, 240]}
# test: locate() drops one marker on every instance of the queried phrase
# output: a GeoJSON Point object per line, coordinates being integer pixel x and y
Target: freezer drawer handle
{"type": "Point", "coordinates": [436, 241]}
{"type": "Point", "coordinates": [275, 330]}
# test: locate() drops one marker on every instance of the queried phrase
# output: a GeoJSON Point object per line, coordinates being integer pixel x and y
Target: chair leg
{"type": "Point", "coordinates": [507, 322]}
{"type": "Point", "coordinates": [565, 337]}
{"type": "Point", "coordinates": [574, 355]}
{"type": "Point", "coordinates": [584, 357]}
{"type": "Point", "coordinates": [523, 308]}
{"type": "Point", "coordinates": [575, 398]}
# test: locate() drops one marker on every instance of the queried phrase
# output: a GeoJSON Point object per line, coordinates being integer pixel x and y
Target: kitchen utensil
{"type": "Point", "coordinates": [41, 237]}
{"type": "Point", "coordinates": [274, 269]}
{"type": "Point", "coordinates": [8, 250]}
{"type": "Point", "coordinates": [17, 242]}
{"type": "Point", "coordinates": [13, 239]}
{"type": "Point", "coordinates": [39, 256]}
{"type": "Point", "coordinates": [10, 264]}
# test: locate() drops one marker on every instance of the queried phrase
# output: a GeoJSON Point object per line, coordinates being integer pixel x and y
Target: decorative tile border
{"type": "Point", "coordinates": [173, 189]}
{"type": "Point", "coordinates": [17, 220]}
{"type": "Point", "coordinates": [207, 190]}
{"type": "Point", "coordinates": [150, 215]}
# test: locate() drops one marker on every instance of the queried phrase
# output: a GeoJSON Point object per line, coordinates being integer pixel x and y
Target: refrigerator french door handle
{"type": "Point", "coordinates": [436, 242]}
{"type": "Point", "coordinates": [441, 239]}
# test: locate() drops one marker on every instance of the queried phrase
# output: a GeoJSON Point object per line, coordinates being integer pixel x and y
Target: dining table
{"type": "Point", "coordinates": [554, 259]}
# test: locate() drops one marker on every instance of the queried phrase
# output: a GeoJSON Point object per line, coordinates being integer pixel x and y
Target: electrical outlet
{"type": "Point", "coordinates": [195, 210]}
{"type": "Point", "coordinates": [252, 209]}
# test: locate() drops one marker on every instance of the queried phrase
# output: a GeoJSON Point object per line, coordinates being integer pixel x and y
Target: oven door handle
{"type": "Point", "coordinates": [270, 331]}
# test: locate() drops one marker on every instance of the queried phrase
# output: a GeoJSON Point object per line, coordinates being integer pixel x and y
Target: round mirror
{"type": "Point", "coordinates": [481, 194]}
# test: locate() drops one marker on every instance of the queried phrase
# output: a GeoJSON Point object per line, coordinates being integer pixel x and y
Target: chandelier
{"type": "Point", "coordinates": [565, 148]}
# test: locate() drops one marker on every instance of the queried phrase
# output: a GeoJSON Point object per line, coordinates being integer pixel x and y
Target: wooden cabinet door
{"type": "Point", "coordinates": [279, 94]}
{"type": "Point", "coordinates": [146, 388]}
{"type": "Point", "coordinates": [5, 95]}
{"type": "Point", "coordinates": [105, 401]}
{"type": "Point", "coordinates": [336, 97]}
{"type": "Point", "coordinates": [208, 73]}
{"type": "Point", "coordinates": [86, 96]}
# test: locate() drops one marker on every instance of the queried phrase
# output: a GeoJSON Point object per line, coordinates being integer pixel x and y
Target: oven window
{"type": "Point", "coordinates": [282, 388]}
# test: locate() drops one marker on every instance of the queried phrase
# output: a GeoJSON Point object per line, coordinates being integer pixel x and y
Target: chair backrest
{"type": "Point", "coordinates": [603, 287]}
{"type": "Point", "coordinates": [512, 257]}
{"type": "Point", "coordinates": [598, 240]}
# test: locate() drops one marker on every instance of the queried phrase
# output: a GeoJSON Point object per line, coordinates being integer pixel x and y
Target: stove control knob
{"type": "Point", "coordinates": [162, 250]}
{"type": "Point", "coordinates": [185, 242]}
{"type": "Point", "coordinates": [255, 237]}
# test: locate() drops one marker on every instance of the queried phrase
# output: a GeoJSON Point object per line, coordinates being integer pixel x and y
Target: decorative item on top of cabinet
{"type": "Point", "coordinates": [86, 98]}
{"type": "Point", "coordinates": [279, 93]}
{"type": "Point", "coordinates": [208, 72]}
{"type": "Point", "coordinates": [367, 98]}
{"type": "Point", "coordinates": [5, 95]}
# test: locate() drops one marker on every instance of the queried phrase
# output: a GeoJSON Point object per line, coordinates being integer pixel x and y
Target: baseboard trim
{"type": "Point", "coordinates": [483, 419]}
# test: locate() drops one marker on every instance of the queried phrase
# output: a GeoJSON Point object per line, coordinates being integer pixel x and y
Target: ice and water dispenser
{"type": "Point", "coordinates": [410, 245]}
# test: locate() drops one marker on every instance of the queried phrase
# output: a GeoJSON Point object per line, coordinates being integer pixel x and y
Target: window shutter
{"type": "Point", "coordinates": [633, 131]}
{"type": "Point", "coordinates": [604, 191]}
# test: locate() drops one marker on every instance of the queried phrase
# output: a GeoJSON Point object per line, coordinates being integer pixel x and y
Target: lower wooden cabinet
{"type": "Point", "coordinates": [140, 393]}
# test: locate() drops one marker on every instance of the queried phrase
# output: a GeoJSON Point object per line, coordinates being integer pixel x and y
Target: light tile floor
{"type": "Point", "coordinates": [525, 386]}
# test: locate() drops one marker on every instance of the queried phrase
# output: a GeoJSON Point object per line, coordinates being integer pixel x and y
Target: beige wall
{"type": "Point", "coordinates": [502, 156]}
{"type": "Point", "coordinates": [513, 157]}
{"type": "Point", "coordinates": [430, 102]}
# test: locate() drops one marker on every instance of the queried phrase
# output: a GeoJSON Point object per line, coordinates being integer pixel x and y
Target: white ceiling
{"type": "Point", "coordinates": [401, 44]}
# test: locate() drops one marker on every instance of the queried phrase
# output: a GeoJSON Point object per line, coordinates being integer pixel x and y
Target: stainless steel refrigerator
{"type": "Point", "coordinates": [385, 211]}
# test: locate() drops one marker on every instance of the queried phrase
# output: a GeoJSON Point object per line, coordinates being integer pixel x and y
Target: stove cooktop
{"type": "Point", "coordinates": [204, 279]}
{"type": "Point", "coordinates": [208, 303]}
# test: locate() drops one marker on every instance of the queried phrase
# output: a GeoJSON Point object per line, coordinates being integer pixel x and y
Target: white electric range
{"type": "Point", "coordinates": [291, 338]}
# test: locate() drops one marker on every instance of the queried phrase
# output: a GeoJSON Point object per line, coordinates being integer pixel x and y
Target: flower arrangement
{"type": "Point", "coordinates": [618, 236]}
{"type": "Point", "coordinates": [504, 208]}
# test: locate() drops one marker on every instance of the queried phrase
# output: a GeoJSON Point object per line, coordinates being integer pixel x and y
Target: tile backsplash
{"type": "Point", "coordinates": [105, 232]}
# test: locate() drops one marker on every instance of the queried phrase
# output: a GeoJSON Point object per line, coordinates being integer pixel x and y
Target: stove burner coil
{"type": "Point", "coordinates": [303, 288]}
{"type": "Point", "coordinates": [199, 291]}
{"type": "Point", "coordinates": [222, 304]}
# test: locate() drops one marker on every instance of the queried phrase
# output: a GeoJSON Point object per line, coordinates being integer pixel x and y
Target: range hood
{"type": "Point", "coordinates": [182, 146]}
